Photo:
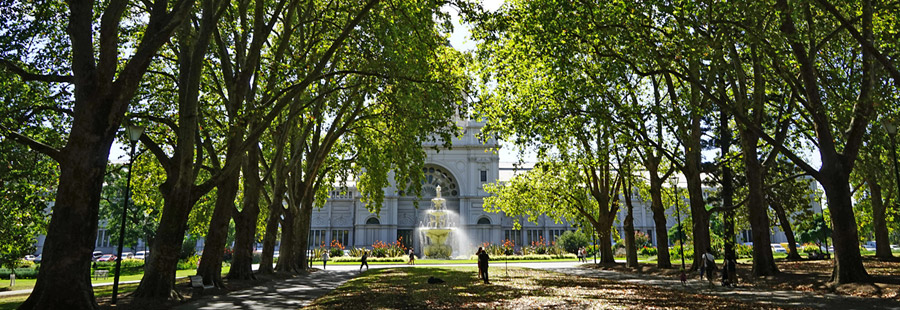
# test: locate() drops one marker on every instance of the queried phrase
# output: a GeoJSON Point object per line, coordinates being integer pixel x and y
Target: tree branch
{"type": "Point", "coordinates": [28, 76]}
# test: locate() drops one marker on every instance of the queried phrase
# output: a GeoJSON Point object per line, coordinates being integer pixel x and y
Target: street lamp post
{"type": "Point", "coordinates": [134, 133]}
{"type": "Point", "coordinates": [891, 129]}
{"type": "Point", "coordinates": [678, 216]}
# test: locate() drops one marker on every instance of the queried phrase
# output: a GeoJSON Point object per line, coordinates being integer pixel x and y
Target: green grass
{"type": "Point", "coordinates": [523, 288]}
{"type": "Point", "coordinates": [11, 302]}
{"type": "Point", "coordinates": [448, 262]}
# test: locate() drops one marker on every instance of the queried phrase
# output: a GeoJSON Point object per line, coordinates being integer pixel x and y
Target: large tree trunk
{"type": "Point", "coordinates": [631, 259]}
{"type": "Point", "coordinates": [64, 280]}
{"type": "Point", "coordinates": [606, 250]}
{"type": "Point", "coordinates": [159, 268]}
{"type": "Point", "coordinates": [727, 185]}
{"type": "Point", "coordinates": [267, 260]}
{"type": "Point", "coordinates": [882, 244]}
{"type": "Point", "coordinates": [786, 227]}
{"type": "Point", "coordinates": [663, 260]}
{"type": "Point", "coordinates": [301, 233]}
{"type": "Point", "coordinates": [286, 260]}
{"type": "Point", "coordinates": [245, 221]}
{"type": "Point", "coordinates": [848, 265]}
{"type": "Point", "coordinates": [763, 262]}
{"type": "Point", "coordinates": [699, 215]}
{"type": "Point", "coordinates": [216, 238]}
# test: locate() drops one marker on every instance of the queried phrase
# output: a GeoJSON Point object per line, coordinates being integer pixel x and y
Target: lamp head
{"type": "Point", "coordinates": [134, 132]}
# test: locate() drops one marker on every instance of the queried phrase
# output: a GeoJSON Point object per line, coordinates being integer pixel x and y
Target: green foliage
{"type": "Point", "coordinates": [648, 251]}
{"type": "Point", "coordinates": [674, 251]}
{"type": "Point", "coordinates": [571, 241]}
{"type": "Point", "coordinates": [188, 248]}
{"type": "Point", "coordinates": [370, 259]}
{"type": "Point", "coordinates": [21, 273]}
{"type": "Point", "coordinates": [129, 266]}
{"type": "Point", "coordinates": [27, 181]}
{"type": "Point", "coordinates": [675, 234]}
{"type": "Point", "coordinates": [743, 251]}
{"type": "Point", "coordinates": [814, 230]}
{"type": "Point", "coordinates": [189, 263]}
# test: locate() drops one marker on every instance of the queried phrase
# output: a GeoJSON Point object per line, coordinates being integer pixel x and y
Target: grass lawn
{"type": "Point", "coordinates": [408, 288]}
{"type": "Point", "coordinates": [11, 302]}
{"type": "Point", "coordinates": [448, 261]}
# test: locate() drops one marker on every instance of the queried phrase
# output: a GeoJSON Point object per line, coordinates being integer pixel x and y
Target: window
{"type": "Point", "coordinates": [342, 236]}
{"type": "Point", "coordinates": [554, 233]}
{"type": "Point", "coordinates": [405, 236]}
{"type": "Point", "coordinates": [373, 221]}
{"type": "Point", "coordinates": [102, 238]}
{"type": "Point", "coordinates": [535, 236]}
{"type": "Point", "coordinates": [483, 176]}
{"type": "Point", "coordinates": [484, 221]}
{"type": "Point", "coordinates": [513, 235]}
{"type": "Point", "coordinates": [316, 238]}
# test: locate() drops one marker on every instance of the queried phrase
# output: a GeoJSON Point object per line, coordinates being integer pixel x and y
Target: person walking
{"type": "Point", "coordinates": [412, 258]}
{"type": "Point", "coordinates": [709, 260]}
{"type": "Point", "coordinates": [483, 259]}
{"type": "Point", "coordinates": [324, 259]}
{"type": "Point", "coordinates": [365, 260]}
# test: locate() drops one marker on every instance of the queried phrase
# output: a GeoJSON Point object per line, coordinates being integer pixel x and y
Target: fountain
{"type": "Point", "coordinates": [437, 228]}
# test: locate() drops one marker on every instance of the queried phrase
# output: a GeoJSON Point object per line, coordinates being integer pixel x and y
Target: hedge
{"type": "Point", "coordinates": [528, 257]}
{"type": "Point", "coordinates": [21, 273]}
{"type": "Point", "coordinates": [371, 259]}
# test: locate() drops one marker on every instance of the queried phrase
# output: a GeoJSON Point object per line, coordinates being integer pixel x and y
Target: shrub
{"type": "Point", "coordinates": [371, 259]}
{"type": "Point", "coordinates": [592, 250]}
{"type": "Point", "coordinates": [641, 240]}
{"type": "Point", "coordinates": [571, 241]}
{"type": "Point", "coordinates": [688, 251]}
{"type": "Point", "coordinates": [811, 248]}
{"type": "Point", "coordinates": [527, 257]}
{"type": "Point", "coordinates": [21, 273]}
{"type": "Point", "coordinates": [743, 251]}
{"type": "Point", "coordinates": [24, 264]}
{"type": "Point", "coordinates": [357, 252]}
{"type": "Point", "coordinates": [648, 251]}
{"type": "Point", "coordinates": [187, 248]}
{"type": "Point", "coordinates": [190, 263]}
{"type": "Point", "coordinates": [337, 249]}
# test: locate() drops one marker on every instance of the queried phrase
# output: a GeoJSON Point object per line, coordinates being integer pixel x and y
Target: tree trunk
{"type": "Point", "coordinates": [727, 185]}
{"type": "Point", "coordinates": [267, 261]}
{"type": "Point", "coordinates": [216, 238]}
{"type": "Point", "coordinates": [606, 250]}
{"type": "Point", "coordinates": [301, 233]}
{"type": "Point", "coordinates": [882, 244]}
{"type": "Point", "coordinates": [64, 280]}
{"type": "Point", "coordinates": [286, 260]}
{"type": "Point", "coordinates": [663, 260]}
{"type": "Point", "coordinates": [699, 215]}
{"type": "Point", "coordinates": [763, 262]}
{"type": "Point", "coordinates": [786, 227]}
{"type": "Point", "coordinates": [848, 265]}
{"type": "Point", "coordinates": [631, 259]}
{"type": "Point", "coordinates": [245, 221]}
{"type": "Point", "coordinates": [159, 268]}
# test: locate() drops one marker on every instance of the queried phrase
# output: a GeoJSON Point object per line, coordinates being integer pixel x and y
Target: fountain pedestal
{"type": "Point", "coordinates": [437, 229]}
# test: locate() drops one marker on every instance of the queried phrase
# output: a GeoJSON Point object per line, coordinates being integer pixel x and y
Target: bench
{"type": "Point", "coordinates": [102, 273]}
{"type": "Point", "coordinates": [198, 286]}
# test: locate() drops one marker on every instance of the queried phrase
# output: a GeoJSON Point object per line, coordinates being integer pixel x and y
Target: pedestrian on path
{"type": "Point", "coordinates": [709, 260]}
{"type": "Point", "coordinates": [365, 260]}
{"type": "Point", "coordinates": [324, 259]}
{"type": "Point", "coordinates": [412, 258]}
{"type": "Point", "coordinates": [483, 259]}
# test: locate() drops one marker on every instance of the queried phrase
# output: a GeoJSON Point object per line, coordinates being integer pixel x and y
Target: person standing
{"type": "Point", "coordinates": [412, 258]}
{"type": "Point", "coordinates": [365, 261]}
{"type": "Point", "coordinates": [483, 259]}
{"type": "Point", "coordinates": [324, 259]}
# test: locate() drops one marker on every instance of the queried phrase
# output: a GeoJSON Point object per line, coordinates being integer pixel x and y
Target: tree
{"type": "Point", "coordinates": [84, 56]}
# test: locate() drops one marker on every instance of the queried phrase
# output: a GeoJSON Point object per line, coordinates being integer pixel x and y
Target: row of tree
{"type": "Point", "coordinates": [253, 109]}
{"type": "Point", "coordinates": [622, 95]}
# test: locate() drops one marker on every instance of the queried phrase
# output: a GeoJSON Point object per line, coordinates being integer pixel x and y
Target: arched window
{"type": "Point", "coordinates": [434, 176]}
{"type": "Point", "coordinates": [484, 221]}
{"type": "Point", "coordinates": [373, 221]}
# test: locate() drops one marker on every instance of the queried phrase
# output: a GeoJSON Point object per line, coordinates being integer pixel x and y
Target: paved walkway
{"type": "Point", "coordinates": [750, 294]}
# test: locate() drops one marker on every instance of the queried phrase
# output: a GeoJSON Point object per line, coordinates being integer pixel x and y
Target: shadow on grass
{"type": "Point", "coordinates": [408, 288]}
